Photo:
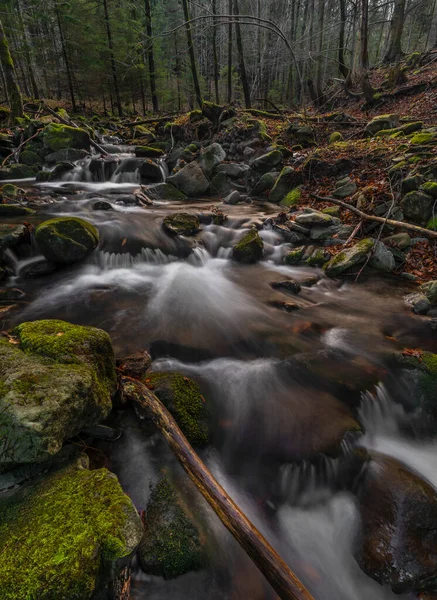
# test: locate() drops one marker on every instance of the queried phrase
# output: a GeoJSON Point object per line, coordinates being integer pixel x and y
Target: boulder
{"type": "Point", "coordinates": [148, 152]}
{"type": "Point", "coordinates": [233, 170]}
{"type": "Point", "coordinates": [66, 240]}
{"type": "Point", "coordinates": [60, 170]}
{"type": "Point", "coordinates": [430, 188]}
{"type": "Point", "coordinates": [57, 137]}
{"type": "Point", "coordinates": [430, 290]}
{"type": "Point", "coordinates": [233, 198]}
{"type": "Point", "coordinates": [249, 249]}
{"type": "Point", "coordinates": [211, 157]}
{"type": "Point", "coordinates": [381, 122]}
{"type": "Point", "coordinates": [12, 235]}
{"type": "Point", "coordinates": [420, 372]}
{"type": "Point", "coordinates": [285, 183]}
{"type": "Point", "coordinates": [289, 286]}
{"type": "Point", "coordinates": [66, 154]}
{"type": "Point", "coordinates": [150, 171]}
{"type": "Point", "coordinates": [264, 184]}
{"type": "Point", "coordinates": [164, 191]}
{"type": "Point", "coordinates": [181, 224]}
{"type": "Point", "coordinates": [266, 162]}
{"type": "Point", "coordinates": [398, 240]}
{"type": "Point", "coordinates": [30, 158]}
{"type": "Point", "coordinates": [344, 188]}
{"type": "Point", "coordinates": [102, 205]}
{"type": "Point", "coordinates": [15, 210]}
{"type": "Point", "coordinates": [349, 258]}
{"type": "Point", "coordinates": [57, 379]}
{"type": "Point", "coordinates": [190, 180]}
{"type": "Point", "coordinates": [316, 217]}
{"type": "Point", "coordinates": [171, 545]}
{"type": "Point", "coordinates": [184, 400]}
{"type": "Point", "coordinates": [301, 134]}
{"type": "Point", "coordinates": [66, 535]}
{"type": "Point", "coordinates": [417, 206]}
{"type": "Point", "coordinates": [9, 190]}
{"type": "Point", "coordinates": [220, 184]}
{"type": "Point", "coordinates": [103, 168]}
{"type": "Point", "coordinates": [398, 545]}
{"type": "Point", "coordinates": [18, 171]}
{"type": "Point", "coordinates": [419, 303]}
{"type": "Point", "coordinates": [382, 259]}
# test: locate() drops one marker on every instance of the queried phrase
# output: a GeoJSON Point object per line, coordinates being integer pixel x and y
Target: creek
{"type": "Point", "coordinates": [284, 387]}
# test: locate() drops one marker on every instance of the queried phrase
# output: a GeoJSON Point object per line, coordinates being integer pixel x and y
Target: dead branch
{"type": "Point", "coordinates": [281, 578]}
{"type": "Point", "coordinates": [366, 217]}
{"type": "Point", "coordinates": [17, 150]}
{"type": "Point", "coordinates": [164, 119]}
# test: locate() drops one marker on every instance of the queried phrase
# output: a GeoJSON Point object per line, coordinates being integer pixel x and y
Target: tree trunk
{"type": "Point", "coordinates": [341, 46]}
{"type": "Point", "coordinates": [112, 57]}
{"type": "Point", "coordinates": [276, 571]}
{"type": "Point", "coordinates": [364, 49]}
{"type": "Point", "coordinates": [65, 55]}
{"type": "Point", "coordinates": [320, 50]}
{"type": "Point", "coordinates": [214, 54]}
{"type": "Point", "coordinates": [27, 53]}
{"type": "Point", "coordinates": [151, 56]}
{"type": "Point", "coordinates": [243, 74]}
{"type": "Point", "coordinates": [13, 89]}
{"type": "Point", "coordinates": [230, 11]}
{"type": "Point", "coordinates": [191, 54]}
{"type": "Point", "coordinates": [394, 51]}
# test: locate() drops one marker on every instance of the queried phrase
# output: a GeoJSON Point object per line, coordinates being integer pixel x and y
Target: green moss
{"type": "Point", "coordinates": [249, 249]}
{"type": "Point", "coordinates": [15, 210]}
{"type": "Point", "coordinates": [30, 158]}
{"type": "Point", "coordinates": [261, 128]}
{"type": "Point", "coordinates": [432, 224]}
{"type": "Point", "coordinates": [148, 152]}
{"type": "Point", "coordinates": [430, 187]}
{"type": "Point", "coordinates": [57, 136]}
{"type": "Point", "coordinates": [295, 256]}
{"type": "Point", "coordinates": [335, 137]}
{"type": "Point", "coordinates": [183, 399]}
{"type": "Point", "coordinates": [181, 224]}
{"type": "Point", "coordinates": [292, 198]}
{"type": "Point", "coordinates": [10, 190]}
{"type": "Point", "coordinates": [191, 148]}
{"type": "Point", "coordinates": [423, 138]}
{"type": "Point", "coordinates": [58, 536]}
{"type": "Point", "coordinates": [171, 545]}
{"type": "Point", "coordinates": [415, 159]}
{"type": "Point", "coordinates": [317, 258]}
{"type": "Point", "coordinates": [66, 239]}
{"type": "Point", "coordinates": [19, 171]}
{"type": "Point", "coordinates": [195, 115]}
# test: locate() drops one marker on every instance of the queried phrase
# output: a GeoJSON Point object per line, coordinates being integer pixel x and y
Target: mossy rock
{"type": "Point", "coordinates": [165, 191]}
{"type": "Point", "coordinates": [335, 137]}
{"type": "Point", "coordinates": [171, 545]}
{"type": "Point", "coordinates": [30, 158]}
{"type": "Point", "coordinates": [249, 249]}
{"type": "Point", "coordinates": [295, 256]}
{"type": "Point", "coordinates": [417, 206]}
{"type": "Point", "coordinates": [183, 399]}
{"type": "Point", "coordinates": [432, 224]}
{"type": "Point", "coordinates": [346, 259]}
{"type": "Point", "coordinates": [430, 188]}
{"type": "Point", "coordinates": [292, 198]}
{"type": "Point", "coordinates": [266, 162]}
{"type": "Point", "coordinates": [11, 191]}
{"type": "Point", "coordinates": [12, 235]}
{"type": "Point", "coordinates": [15, 210]}
{"type": "Point", "coordinates": [57, 137]}
{"type": "Point", "coordinates": [285, 183]}
{"type": "Point", "coordinates": [181, 224]}
{"type": "Point", "coordinates": [63, 537]}
{"type": "Point", "coordinates": [4, 113]}
{"type": "Point", "coordinates": [264, 184]}
{"type": "Point", "coordinates": [148, 152]}
{"type": "Point", "coordinates": [66, 240]}
{"type": "Point", "coordinates": [57, 379]}
{"type": "Point", "coordinates": [195, 115]}
{"type": "Point", "coordinates": [18, 171]}
{"type": "Point", "coordinates": [424, 138]}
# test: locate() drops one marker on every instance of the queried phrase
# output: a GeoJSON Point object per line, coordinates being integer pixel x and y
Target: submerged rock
{"type": "Point", "coordinates": [181, 224]}
{"type": "Point", "coordinates": [289, 286]}
{"type": "Point", "coordinates": [66, 536]}
{"type": "Point", "coordinates": [398, 546]}
{"type": "Point", "coordinates": [249, 249]}
{"type": "Point", "coordinates": [66, 240]}
{"type": "Point", "coordinates": [190, 180]}
{"type": "Point", "coordinates": [54, 380]}
{"type": "Point", "coordinates": [171, 545]}
{"type": "Point", "coordinates": [350, 257]}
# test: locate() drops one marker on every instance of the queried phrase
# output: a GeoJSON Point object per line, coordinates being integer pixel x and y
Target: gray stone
{"type": "Point", "coordinates": [382, 259]}
{"type": "Point", "coordinates": [315, 217]}
{"type": "Point", "coordinates": [190, 180]}
{"type": "Point", "coordinates": [283, 185]}
{"type": "Point", "coordinates": [211, 157]}
{"type": "Point", "coordinates": [349, 257]}
{"type": "Point", "coordinates": [265, 183]}
{"type": "Point", "coordinates": [430, 290]}
{"type": "Point", "coordinates": [417, 206]}
{"type": "Point", "coordinates": [66, 240]}
{"type": "Point", "coordinates": [399, 240]}
{"type": "Point", "coordinates": [382, 122]}
{"type": "Point", "coordinates": [266, 162]}
{"type": "Point", "coordinates": [233, 198]}
{"type": "Point", "coordinates": [233, 170]}
{"type": "Point", "coordinates": [164, 191]}
{"type": "Point", "coordinates": [67, 154]}
{"type": "Point", "coordinates": [419, 303]}
{"type": "Point", "coordinates": [345, 187]}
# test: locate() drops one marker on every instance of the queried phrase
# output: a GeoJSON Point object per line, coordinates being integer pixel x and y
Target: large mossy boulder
{"type": "Point", "coordinates": [171, 545]}
{"type": "Point", "coordinates": [181, 224]}
{"type": "Point", "coordinates": [190, 180]}
{"type": "Point", "coordinates": [285, 183]}
{"type": "Point", "coordinates": [417, 206]}
{"type": "Point", "coordinates": [267, 162]}
{"type": "Point", "coordinates": [57, 137]}
{"type": "Point", "coordinates": [184, 400]}
{"type": "Point", "coordinates": [66, 536]}
{"type": "Point", "coordinates": [66, 240]}
{"type": "Point", "coordinates": [55, 379]}
{"type": "Point", "coordinates": [398, 545]}
{"type": "Point", "coordinates": [249, 249]}
{"type": "Point", "coordinates": [211, 157]}
{"type": "Point", "coordinates": [346, 259]}
{"type": "Point", "coordinates": [380, 123]}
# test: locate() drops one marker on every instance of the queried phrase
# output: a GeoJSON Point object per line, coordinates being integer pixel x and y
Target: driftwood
{"type": "Point", "coordinates": [366, 217]}
{"type": "Point", "coordinates": [279, 575]}
{"type": "Point", "coordinates": [73, 124]}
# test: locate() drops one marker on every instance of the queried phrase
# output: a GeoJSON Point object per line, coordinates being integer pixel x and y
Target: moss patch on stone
{"type": "Point", "coordinates": [292, 198]}
{"type": "Point", "coordinates": [423, 138]}
{"type": "Point", "coordinates": [66, 239]}
{"type": "Point", "coordinates": [181, 224]}
{"type": "Point", "coordinates": [249, 249]}
{"type": "Point", "coordinates": [57, 136]}
{"type": "Point", "coordinates": [58, 536]}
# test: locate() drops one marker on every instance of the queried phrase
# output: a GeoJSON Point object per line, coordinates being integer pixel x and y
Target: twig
{"type": "Point", "coordinates": [353, 234]}
{"type": "Point", "coordinates": [19, 147]}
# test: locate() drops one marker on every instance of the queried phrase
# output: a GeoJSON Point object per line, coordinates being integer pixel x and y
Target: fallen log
{"type": "Point", "coordinates": [276, 571]}
{"type": "Point", "coordinates": [366, 217]}
{"type": "Point", "coordinates": [152, 120]}
{"type": "Point", "coordinates": [71, 123]}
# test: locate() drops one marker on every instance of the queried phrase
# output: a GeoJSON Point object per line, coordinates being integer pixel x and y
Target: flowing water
{"type": "Point", "coordinates": [283, 388]}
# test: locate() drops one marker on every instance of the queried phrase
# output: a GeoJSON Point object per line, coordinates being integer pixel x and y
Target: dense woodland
{"type": "Point", "coordinates": [140, 55]}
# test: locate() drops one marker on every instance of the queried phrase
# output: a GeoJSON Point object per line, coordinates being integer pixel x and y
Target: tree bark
{"type": "Point", "coordinates": [243, 73]}
{"type": "Point", "coordinates": [112, 58]}
{"type": "Point", "coordinates": [214, 55]}
{"type": "Point", "coordinates": [394, 51]}
{"type": "Point", "coordinates": [65, 55]}
{"type": "Point", "coordinates": [13, 89]}
{"type": "Point", "coordinates": [230, 10]}
{"type": "Point", "coordinates": [151, 56]}
{"type": "Point", "coordinates": [276, 571]}
{"type": "Point", "coordinates": [341, 45]}
{"type": "Point", "coordinates": [191, 54]}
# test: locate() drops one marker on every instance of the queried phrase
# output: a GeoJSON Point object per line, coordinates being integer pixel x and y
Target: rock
{"type": "Point", "coordinates": [285, 183]}
{"type": "Point", "coordinates": [398, 546]}
{"type": "Point", "coordinates": [264, 184]}
{"type": "Point", "coordinates": [398, 240]}
{"type": "Point", "coordinates": [233, 198]}
{"type": "Point", "coordinates": [266, 162]}
{"type": "Point", "coordinates": [301, 134]}
{"type": "Point", "coordinates": [57, 137]}
{"type": "Point", "coordinates": [382, 259]}
{"type": "Point", "coordinates": [66, 240]}
{"type": "Point", "coordinates": [66, 534]}
{"type": "Point", "coordinates": [11, 295]}
{"type": "Point", "coordinates": [171, 545]}
{"type": "Point", "coordinates": [411, 183]}
{"type": "Point", "coordinates": [381, 122]}
{"type": "Point", "coordinates": [150, 171]}
{"type": "Point", "coordinates": [295, 256]}
{"type": "Point", "coordinates": [417, 206]}
{"type": "Point", "coordinates": [335, 137]}
{"type": "Point", "coordinates": [9, 190]}
{"type": "Point", "coordinates": [220, 184]}
{"type": "Point", "coordinates": [288, 307]}
{"type": "Point", "coordinates": [12, 235]}
{"type": "Point", "coordinates": [55, 381]}
{"type": "Point", "coordinates": [211, 157]}
{"type": "Point", "coordinates": [289, 286]}
{"type": "Point", "coordinates": [324, 233]}
{"type": "Point", "coordinates": [181, 224]}
{"type": "Point", "coordinates": [60, 169]}
{"type": "Point", "coordinates": [315, 257]}
{"type": "Point", "coordinates": [18, 171]}
{"type": "Point", "coordinates": [103, 168]}
{"type": "Point", "coordinates": [430, 188]}
{"type": "Point", "coordinates": [424, 139]}
{"type": "Point", "coordinates": [419, 302]}
{"type": "Point", "coordinates": [316, 217]}
{"type": "Point", "coordinates": [148, 152]}
{"type": "Point", "coordinates": [164, 191]}
{"type": "Point", "coordinates": [249, 249]}
{"type": "Point", "coordinates": [135, 365]}
{"type": "Point", "coordinates": [345, 187]}
{"type": "Point", "coordinates": [430, 290]}
{"type": "Point", "coordinates": [30, 158]}
{"type": "Point", "coordinates": [102, 205]}
{"type": "Point", "coordinates": [190, 180]}
{"type": "Point", "coordinates": [233, 170]}
{"type": "Point", "coordinates": [184, 400]}
{"type": "Point", "coordinates": [66, 155]}
{"type": "Point", "coordinates": [130, 165]}
{"type": "Point", "coordinates": [15, 210]}
{"type": "Point", "coordinates": [349, 258]}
